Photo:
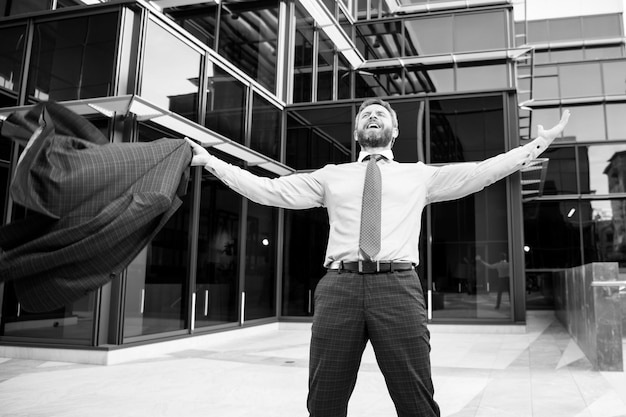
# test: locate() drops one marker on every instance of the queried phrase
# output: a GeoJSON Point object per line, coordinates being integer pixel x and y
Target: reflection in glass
{"type": "Point", "coordinates": [431, 79]}
{"type": "Point", "coordinates": [603, 52]}
{"type": "Point", "coordinates": [73, 58]}
{"type": "Point", "coordinates": [602, 167]}
{"type": "Point", "coordinates": [217, 277]}
{"type": "Point", "coordinates": [306, 235]}
{"type": "Point", "coordinates": [248, 38]}
{"type": "Point", "coordinates": [469, 129]}
{"type": "Point", "coordinates": [71, 324]}
{"type": "Point", "coordinates": [565, 28]}
{"type": "Point", "coordinates": [11, 52]}
{"type": "Point", "coordinates": [379, 82]}
{"type": "Point", "coordinates": [464, 231]}
{"type": "Point", "coordinates": [560, 177]}
{"type": "Point", "coordinates": [380, 40]}
{"type": "Point", "coordinates": [604, 232]}
{"type": "Point", "coordinates": [266, 122]}
{"type": "Point", "coordinates": [170, 72]}
{"type": "Point", "coordinates": [260, 277]}
{"type": "Point", "coordinates": [200, 24]}
{"type": "Point", "coordinates": [226, 100]}
{"type": "Point", "coordinates": [566, 55]}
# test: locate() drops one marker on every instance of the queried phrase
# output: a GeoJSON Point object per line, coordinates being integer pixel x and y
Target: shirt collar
{"type": "Point", "coordinates": [387, 153]}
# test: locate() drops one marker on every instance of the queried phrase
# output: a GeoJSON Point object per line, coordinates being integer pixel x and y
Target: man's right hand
{"type": "Point", "coordinates": [200, 156]}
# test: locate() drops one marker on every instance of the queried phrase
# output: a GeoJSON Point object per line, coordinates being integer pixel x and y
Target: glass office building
{"type": "Point", "coordinates": [273, 86]}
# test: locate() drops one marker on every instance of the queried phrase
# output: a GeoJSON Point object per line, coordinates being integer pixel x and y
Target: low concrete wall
{"type": "Point", "coordinates": [587, 302]}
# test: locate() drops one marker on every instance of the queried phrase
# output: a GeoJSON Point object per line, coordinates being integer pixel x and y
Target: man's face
{"type": "Point", "coordinates": [374, 127]}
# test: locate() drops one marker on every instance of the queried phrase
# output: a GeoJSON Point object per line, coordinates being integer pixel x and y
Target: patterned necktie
{"type": "Point", "coordinates": [369, 239]}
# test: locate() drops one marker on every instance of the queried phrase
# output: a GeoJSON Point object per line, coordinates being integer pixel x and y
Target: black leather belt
{"type": "Point", "coordinates": [370, 267]}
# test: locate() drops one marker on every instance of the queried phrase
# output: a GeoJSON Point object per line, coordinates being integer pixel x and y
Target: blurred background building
{"type": "Point", "coordinates": [273, 86]}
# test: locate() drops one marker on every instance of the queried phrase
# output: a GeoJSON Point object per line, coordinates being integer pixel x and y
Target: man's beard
{"type": "Point", "coordinates": [374, 139]}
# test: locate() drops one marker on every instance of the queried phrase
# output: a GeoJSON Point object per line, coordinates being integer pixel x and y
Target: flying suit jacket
{"type": "Point", "coordinates": [93, 205]}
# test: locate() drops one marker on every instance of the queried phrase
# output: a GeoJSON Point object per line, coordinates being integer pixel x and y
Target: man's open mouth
{"type": "Point", "coordinates": [373, 126]}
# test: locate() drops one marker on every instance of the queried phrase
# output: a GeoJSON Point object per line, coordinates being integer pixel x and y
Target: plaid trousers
{"type": "Point", "coordinates": [389, 311]}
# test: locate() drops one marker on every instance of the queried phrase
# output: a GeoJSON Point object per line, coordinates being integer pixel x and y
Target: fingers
{"type": "Point", "coordinates": [564, 117]}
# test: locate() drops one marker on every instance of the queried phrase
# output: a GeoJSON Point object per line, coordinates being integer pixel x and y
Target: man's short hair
{"type": "Point", "coordinates": [381, 102]}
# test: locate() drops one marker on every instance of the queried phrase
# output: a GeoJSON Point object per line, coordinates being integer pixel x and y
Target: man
{"type": "Point", "coordinates": [502, 267]}
{"type": "Point", "coordinates": [373, 293]}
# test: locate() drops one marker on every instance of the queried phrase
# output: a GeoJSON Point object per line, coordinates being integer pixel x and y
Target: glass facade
{"type": "Point", "coordinates": [269, 81]}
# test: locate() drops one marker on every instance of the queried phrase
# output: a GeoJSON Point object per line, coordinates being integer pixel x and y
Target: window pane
{"type": "Point", "coordinates": [157, 280]}
{"type": "Point", "coordinates": [72, 324]}
{"type": "Point", "coordinates": [553, 238]}
{"type": "Point", "coordinates": [481, 77]}
{"type": "Point", "coordinates": [317, 137]}
{"type": "Point", "coordinates": [545, 117]}
{"type": "Point", "coordinates": [379, 82]}
{"type": "Point", "coordinates": [383, 40]}
{"type": "Point", "coordinates": [17, 7]}
{"type": "Point", "coordinates": [466, 129]}
{"type": "Point", "coordinates": [580, 80]}
{"type": "Point", "coordinates": [566, 55]}
{"type": "Point", "coordinates": [603, 52]}
{"type": "Point", "coordinates": [325, 66]}
{"type": "Point", "coordinates": [248, 38]}
{"type": "Point", "coordinates": [560, 177]}
{"type": "Point", "coordinates": [260, 277]}
{"type": "Point", "coordinates": [201, 24]}
{"type": "Point", "coordinates": [605, 236]}
{"type": "Point", "coordinates": [461, 231]}
{"type": "Point", "coordinates": [616, 128]}
{"type": "Point", "coordinates": [429, 79]}
{"type": "Point", "coordinates": [545, 87]}
{"type": "Point", "coordinates": [614, 74]}
{"type": "Point", "coordinates": [587, 124]}
{"type": "Point", "coordinates": [265, 136]}
{"type": "Point", "coordinates": [306, 235]}
{"type": "Point", "coordinates": [217, 277]}
{"type": "Point", "coordinates": [411, 126]}
{"type": "Point", "coordinates": [602, 168]}
{"type": "Point", "coordinates": [429, 36]}
{"type": "Point", "coordinates": [73, 58]}
{"type": "Point", "coordinates": [492, 34]}
{"type": "Point", "coordinates": [344, 79]}
{"type": "Point", "coordinates": [303, 57]}
{"type": "Point", "coordinates": [538, 31]}
{"type": "Point", "coordinates": [565, 29]}
{"type": "Point", "coordinates": [11, 52]}
{"type": "Point", "coordinates": [170, 73]}
{"type": "Point", "coordinates": [225, 103]}
{"type": "Point", "coordinates": [602, 26]}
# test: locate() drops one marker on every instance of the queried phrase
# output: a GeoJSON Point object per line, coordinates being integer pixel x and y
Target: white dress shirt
{"type": "Point", "coordinates": [406, 189]}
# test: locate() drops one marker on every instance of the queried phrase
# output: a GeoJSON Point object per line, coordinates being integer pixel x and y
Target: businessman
{"type": "Point", "coordinates": [371, 291]}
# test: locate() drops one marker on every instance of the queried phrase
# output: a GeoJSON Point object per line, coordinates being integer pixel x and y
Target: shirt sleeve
{"type": "Point", "coordinates": [455, 181]}
{"type": "Point", "coordinates": [296, 191]}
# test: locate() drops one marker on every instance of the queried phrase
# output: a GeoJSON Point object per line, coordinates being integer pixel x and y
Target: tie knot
{"type": "Point", "coordinates": [376, 157]}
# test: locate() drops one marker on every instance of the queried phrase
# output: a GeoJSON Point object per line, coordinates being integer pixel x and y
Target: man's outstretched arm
{"type": "Point", "coordinates": [297, 191]}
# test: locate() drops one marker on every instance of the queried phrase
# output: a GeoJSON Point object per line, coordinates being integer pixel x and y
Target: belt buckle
{"type": "Point", "coordinates": [368, 267]}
